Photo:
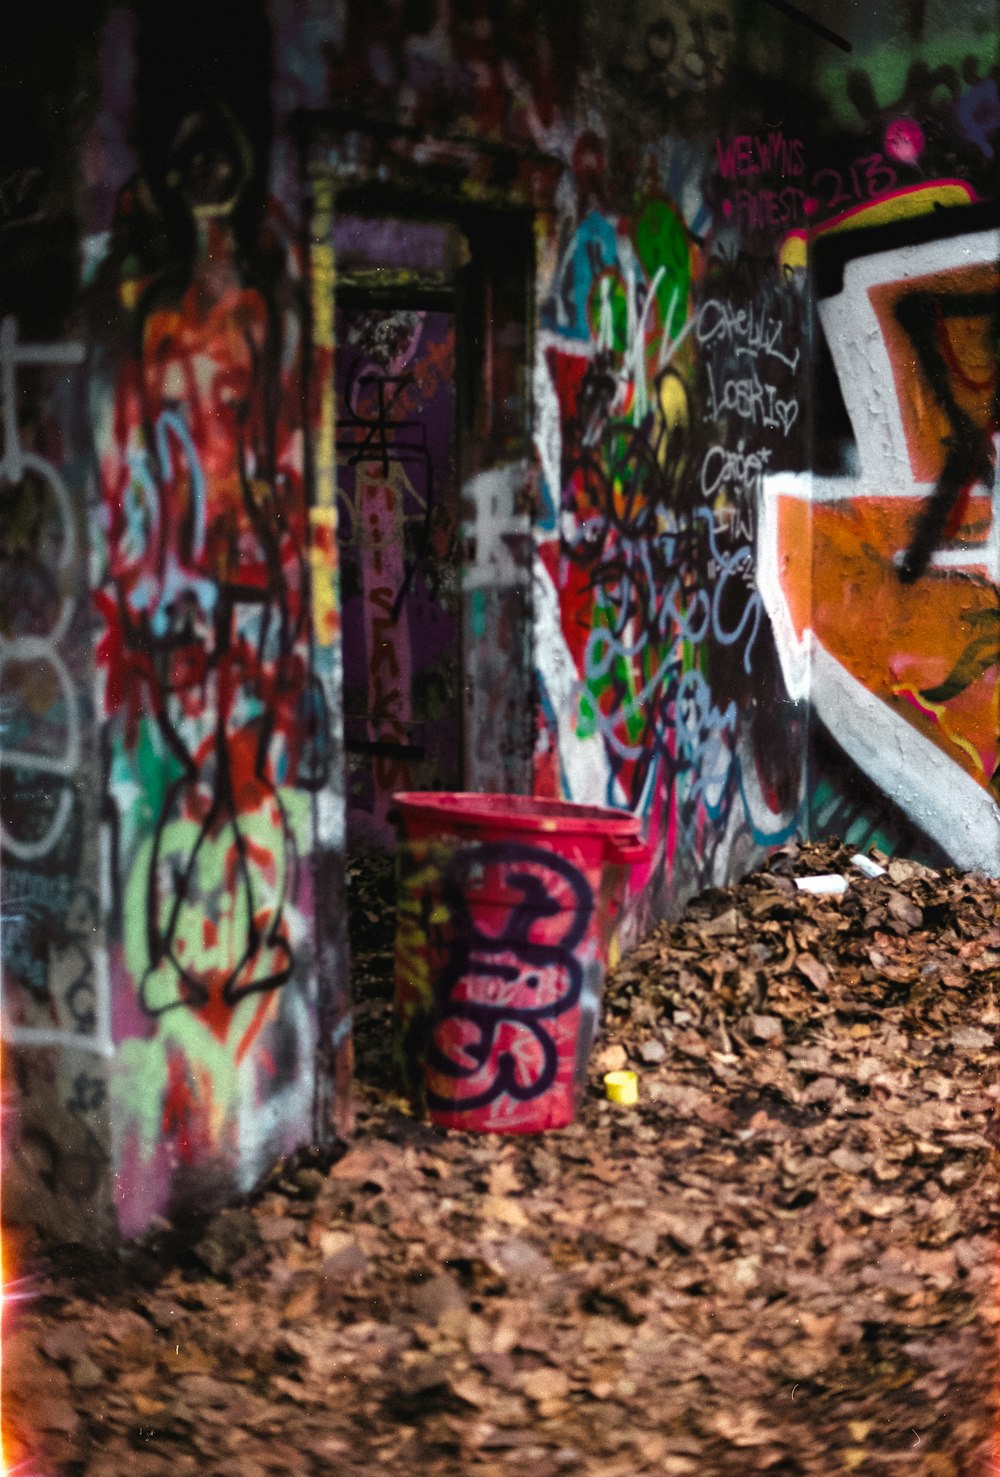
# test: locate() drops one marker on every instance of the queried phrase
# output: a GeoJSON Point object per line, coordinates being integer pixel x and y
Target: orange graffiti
{"type": "Point", "coordinates": [900, 641]}
{"type": "Point", "coordinates": [965, 343]}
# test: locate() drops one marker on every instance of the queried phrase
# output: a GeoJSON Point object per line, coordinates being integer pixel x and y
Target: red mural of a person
{"type": "Point", "coordinates": [205, 601]}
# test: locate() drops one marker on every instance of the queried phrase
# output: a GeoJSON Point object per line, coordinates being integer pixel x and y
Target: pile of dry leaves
{"type": "Point", "coordinates": [781, 1260]}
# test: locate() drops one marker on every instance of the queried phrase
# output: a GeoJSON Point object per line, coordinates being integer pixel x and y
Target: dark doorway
{"type": "Point", "coordinates": [398, 514]}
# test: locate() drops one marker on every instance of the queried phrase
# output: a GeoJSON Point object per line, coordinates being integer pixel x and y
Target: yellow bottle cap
{"type": "Point", "coordinates": [621, 1087]}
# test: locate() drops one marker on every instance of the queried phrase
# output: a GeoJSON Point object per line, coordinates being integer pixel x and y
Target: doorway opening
{"type": "Point", "coordinates": [433, 494]}
{"type": "Point", "coordinates": [432, 369]}
{"type": "Point", "coordinates": [397, 514]}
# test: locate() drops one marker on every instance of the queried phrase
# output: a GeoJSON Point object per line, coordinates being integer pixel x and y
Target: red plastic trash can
{"type": "Point", "coordinates": [506, 906]}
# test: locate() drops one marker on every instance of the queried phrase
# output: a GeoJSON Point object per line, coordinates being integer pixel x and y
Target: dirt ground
{"type": "Point", "coordinates": [781, 1260]}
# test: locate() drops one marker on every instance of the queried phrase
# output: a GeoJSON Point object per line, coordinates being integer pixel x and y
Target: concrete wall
{"type": "Point", "coordinates": [891, 628]}
{"type": "Point", "coordinates": [174, 962]}
{"type": "Point", "coordinates": [708, 537]}
{"type": "Point", "coordinates": [671, 378]}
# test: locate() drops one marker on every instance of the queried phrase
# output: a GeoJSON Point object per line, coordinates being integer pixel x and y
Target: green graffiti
{"type": "Point", "coordinates": [158, 769]}
{"type": "Point", "coordinates": [629, 678]}
{"type": "Point", "coordinates": [661, 241]}
{"type": "Point", "coordinates": [140, 1082]}
{"type": "Point", "coordinates": [887, 64]}
{"type": "Point", "coordinates": [139, 780]}
{"type": "Point", "coordinates": [212, 917]}
{"type": "Point", "coordinates": [234, 882]}
{"type": "Point", "coordinates": [607, 310]}
{"type": "Point", "coordinates": [477, 614]}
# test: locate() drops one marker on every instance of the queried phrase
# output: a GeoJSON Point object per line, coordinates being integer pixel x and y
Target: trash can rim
{"type": "Point", "coordinates": [525, 812]}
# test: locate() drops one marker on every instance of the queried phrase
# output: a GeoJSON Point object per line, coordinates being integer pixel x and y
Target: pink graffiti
{"type": "Point", "coordinates": [904, 140]}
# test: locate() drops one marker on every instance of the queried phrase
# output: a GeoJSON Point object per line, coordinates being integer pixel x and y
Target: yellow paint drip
{"type": "Point", "coordinates": [621, 1087]}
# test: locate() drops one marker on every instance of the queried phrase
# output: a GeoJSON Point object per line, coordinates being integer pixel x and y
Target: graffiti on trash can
{"type": "Point", "coordinates": [513, 970]}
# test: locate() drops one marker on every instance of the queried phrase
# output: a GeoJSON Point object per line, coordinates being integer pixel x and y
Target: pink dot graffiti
{"type": "Point", "coordinates": [904, 140]}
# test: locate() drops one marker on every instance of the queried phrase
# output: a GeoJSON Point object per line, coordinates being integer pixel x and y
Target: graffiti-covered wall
{"type": "Point", "coordinates": [671, 373]}
{"type": "Point", "coordinates": [591, 401]}
{"type": "Point", "coordinates": [56, 990]}
{"type": "Point", "coordinates": [220, 775]}
{"type": "Point", "coordinates": [890, 624]}
{"type": "Point", "coordinates": [172, 791]}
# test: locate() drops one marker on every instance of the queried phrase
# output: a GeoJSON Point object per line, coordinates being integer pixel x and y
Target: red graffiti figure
{"type": "Point", "coordinates": [205, 606]}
